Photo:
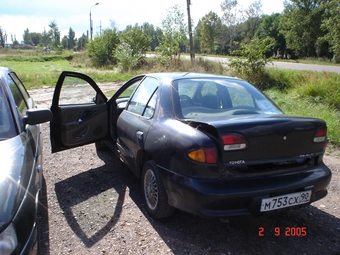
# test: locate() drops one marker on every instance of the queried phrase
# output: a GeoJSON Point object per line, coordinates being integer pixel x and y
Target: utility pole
{"type": "Point", "coordinates": [192, 52]}
{"type": "Point", "coordinates": [91, 24]}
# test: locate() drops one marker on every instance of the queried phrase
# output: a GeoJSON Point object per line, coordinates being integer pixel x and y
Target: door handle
{"type": "Point", "coordinates": [139, 135]}
{"type": "Point", "coordinates": [87, 114]}
{"type": "Point", "coordinates": [38, 168]}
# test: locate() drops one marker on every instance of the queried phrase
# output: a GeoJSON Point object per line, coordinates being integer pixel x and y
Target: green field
{"type": "Point", "coordinates": [43, 69]}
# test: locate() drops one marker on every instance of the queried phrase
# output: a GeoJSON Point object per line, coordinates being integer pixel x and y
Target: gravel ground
{"type": "Point", "coordinates": [92, 205]}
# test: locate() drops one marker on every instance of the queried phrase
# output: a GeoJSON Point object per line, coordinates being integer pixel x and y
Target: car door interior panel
{"type": "Point", "coordinates": [83, 124]}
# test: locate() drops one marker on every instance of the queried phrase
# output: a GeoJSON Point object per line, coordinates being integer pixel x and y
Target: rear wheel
{"type": "Point", "coordinates": [154, 194]}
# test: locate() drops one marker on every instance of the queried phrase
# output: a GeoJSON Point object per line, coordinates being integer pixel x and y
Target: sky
{"type": "Point", "coordinates": [35, 15]}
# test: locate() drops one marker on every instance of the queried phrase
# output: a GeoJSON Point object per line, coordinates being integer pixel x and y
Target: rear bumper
{"type": "Point", "coordinates": [217, 197]}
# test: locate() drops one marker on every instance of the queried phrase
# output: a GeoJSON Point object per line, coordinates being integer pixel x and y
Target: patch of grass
{"type": "Point", "coordinates": [39, 74]}
{"type": "Point", "coordinates": [318, 87]}
{"type": "Point", "coordinates": [322, 87]}
{"type": "Point", "coordinates": [39, 58]}
{"type": "Point", "coordinates": [106, 75]}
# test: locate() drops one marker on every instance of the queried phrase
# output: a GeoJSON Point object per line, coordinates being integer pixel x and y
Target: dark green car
{"type": "Point", "coordinates": [21, 165]}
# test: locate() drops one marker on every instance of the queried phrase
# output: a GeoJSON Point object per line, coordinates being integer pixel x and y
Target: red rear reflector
{"type": "Point", "coordinates": [233, 142]}
{"type": "Point", "coordinates": [320, 135]}
{"type": "Point", "coordinates": [210, 155]}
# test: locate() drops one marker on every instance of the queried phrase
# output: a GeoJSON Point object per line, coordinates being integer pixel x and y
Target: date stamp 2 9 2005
{"type": "Point", "coordinates": [287, 231]}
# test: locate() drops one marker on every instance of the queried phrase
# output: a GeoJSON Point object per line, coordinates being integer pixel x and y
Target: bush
{"type": "Point", "coordinates": [126, 60]}
{"type": "Point", "coordinates": [200, 65]}
{"type": "Point", "coordinates": [255, 53]}
{"type": "Point", "coordinates": [100, 49]}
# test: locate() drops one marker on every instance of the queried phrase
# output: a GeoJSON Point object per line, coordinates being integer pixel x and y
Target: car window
{"type": "Point", "coordinates": [20, 86]}
{"type": "Point", "coordinates": [209, 96]}
{"type": "Point", "coordinates": [141, 98]}
{"type": "Point", "coordinates": [128, 92]}
{"type": "Point", "coordinates": [18, 95]}
{"type": "Point", "coordinates": [240, 97]}
{"type": "Point", "coordinates": [76, 91]}
{"type": "Point", "coordinates": [219, 97]}
{"type": "Point", "coordinates": [7, 127]}
{"type": "Point", "coordinates": [188, 88]}
{"type": "Point", "coordinates": [150, 108]}
{"type": "Point", "coordinates": [209, 88]}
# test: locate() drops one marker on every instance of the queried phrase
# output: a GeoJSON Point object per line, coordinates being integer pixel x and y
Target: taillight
{"type": "Point", "coordinates": [233, 142]}
{"type": "Point", "coordinates": [320, 136]}
{"type": "Point", "coordinates": [204, 155]}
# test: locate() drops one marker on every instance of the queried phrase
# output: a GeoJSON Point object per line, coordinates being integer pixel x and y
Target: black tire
{"type": "Point", "coordinates": [153, 192]}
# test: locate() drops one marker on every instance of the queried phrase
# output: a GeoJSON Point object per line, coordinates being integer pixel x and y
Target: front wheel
{"type": "Point", "coordinates": [154, 194]}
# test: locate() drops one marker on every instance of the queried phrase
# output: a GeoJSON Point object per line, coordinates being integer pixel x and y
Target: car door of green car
{"type": "Point", "coordinates": [80, 112]}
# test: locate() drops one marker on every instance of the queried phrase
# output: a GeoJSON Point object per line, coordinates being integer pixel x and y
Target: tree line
{"type": "Point", "coordinates": [50, 38]}
{"type": "Point", "coordinates": [305, 28]}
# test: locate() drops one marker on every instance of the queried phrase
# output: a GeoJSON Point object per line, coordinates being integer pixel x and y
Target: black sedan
{"type": "Point", "coordinates": [21, 165]}
{"type": "Point", "coordinates": [210, 145]}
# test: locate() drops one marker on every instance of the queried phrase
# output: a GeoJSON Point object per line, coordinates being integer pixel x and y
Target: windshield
{"type": "Point", "coordinates": [218, 97]}
{"type": "Point", "coordinates": [7, 128]}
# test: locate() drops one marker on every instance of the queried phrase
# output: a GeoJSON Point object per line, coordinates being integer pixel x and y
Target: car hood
{"type": "Point", "coordinates": [12, 186]}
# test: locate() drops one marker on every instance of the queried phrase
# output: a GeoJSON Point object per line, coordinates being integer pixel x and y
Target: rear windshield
{"type": "Point", "coordinates": [206, 98]}
{"type": "Point", "coordinates": [7, 128]}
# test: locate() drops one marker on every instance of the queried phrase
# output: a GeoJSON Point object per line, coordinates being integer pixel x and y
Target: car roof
{"type": "Point", "coordinates": [5, 69]}
{"type": "Point", "coordinates": [168, 76]}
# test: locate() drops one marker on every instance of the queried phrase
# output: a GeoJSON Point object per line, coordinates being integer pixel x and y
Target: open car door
{"type": "Point", "coordinates": [80, 112]}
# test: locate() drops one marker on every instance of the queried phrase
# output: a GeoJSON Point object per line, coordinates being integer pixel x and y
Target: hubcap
{"type": "Point", "coordinates": [150, 189]}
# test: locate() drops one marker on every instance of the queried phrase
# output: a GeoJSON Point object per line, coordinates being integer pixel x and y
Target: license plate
{"type": "Point", "coordinates": [274, 203]}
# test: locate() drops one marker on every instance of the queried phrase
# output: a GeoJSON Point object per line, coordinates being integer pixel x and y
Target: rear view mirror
{"type": "Point", "coordinates": [37, 116]}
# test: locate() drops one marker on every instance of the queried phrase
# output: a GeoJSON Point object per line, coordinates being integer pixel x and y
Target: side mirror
{"type": "Point", "coordinates": [37, 116]}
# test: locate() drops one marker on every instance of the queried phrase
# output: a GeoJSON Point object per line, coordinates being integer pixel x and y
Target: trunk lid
{"type": "Point", "coordinates": [271, 142]}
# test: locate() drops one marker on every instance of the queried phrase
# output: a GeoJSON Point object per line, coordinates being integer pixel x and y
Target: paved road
{"type": "Point", "coordinates": [297, 66]}
{"type": "Point", "coordinates": [289, 65]}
